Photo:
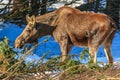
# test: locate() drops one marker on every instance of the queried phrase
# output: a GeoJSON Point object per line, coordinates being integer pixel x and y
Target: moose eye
{"type": "Point", "coordinates": [28, 30]}
{"type": "Point", "coordinates": [31, 24]}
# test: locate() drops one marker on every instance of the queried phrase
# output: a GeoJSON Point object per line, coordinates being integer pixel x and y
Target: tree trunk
{"type": "Point", "coordinates": [97, 5]}
{"type": "Point", "coordinates": [43, 7]}
{"type": "Point", "coordinates": [34, 7]}
{"type": "Point", "coordinates": [113, 10]}
{"type": "Point", "coordinates": [90, 1]}
{"type": "Point", "coordinates": [17, 4]}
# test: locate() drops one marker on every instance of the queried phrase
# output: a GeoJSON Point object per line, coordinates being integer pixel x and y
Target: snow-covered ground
{"type": "Point", "coordinates": [52, 48]}
{"type": "Point", "coordinates": [63, 2]}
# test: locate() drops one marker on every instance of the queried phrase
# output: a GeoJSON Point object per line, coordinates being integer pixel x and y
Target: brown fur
{"type": "Point", "coordinates": [70, 27]}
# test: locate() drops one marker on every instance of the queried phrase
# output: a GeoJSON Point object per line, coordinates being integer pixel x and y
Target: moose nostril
{"type": "Point", "coordinates": [15, 45]}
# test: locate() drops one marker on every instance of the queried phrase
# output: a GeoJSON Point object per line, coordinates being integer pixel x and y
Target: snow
{"type": "Point", "coordinates": [63, 2]}
{"type": "Point", "coordinates": [4, 2]}
{"type": "Point", "coordinates": [57, 5]}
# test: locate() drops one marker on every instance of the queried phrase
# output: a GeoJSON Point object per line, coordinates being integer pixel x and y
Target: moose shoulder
{"type": "Point", "coordinates": [70, 27]}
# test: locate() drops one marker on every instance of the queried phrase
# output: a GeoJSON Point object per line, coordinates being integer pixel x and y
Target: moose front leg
{"type": "Point", "coordinates": [65, 48]}
{"type": "Point", "coordinates": [64, 42]}
{"type": "Point", "coordinates": [93, 54]}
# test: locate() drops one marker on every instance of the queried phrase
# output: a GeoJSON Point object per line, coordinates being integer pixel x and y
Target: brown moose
{"type": "Point", "coordinates": [70, 27]}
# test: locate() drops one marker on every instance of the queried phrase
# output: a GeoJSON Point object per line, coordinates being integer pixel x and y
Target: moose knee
{"type": "Point", "coordinates": [64, 58]}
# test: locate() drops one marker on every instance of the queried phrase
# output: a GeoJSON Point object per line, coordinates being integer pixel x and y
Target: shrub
{"type": "Point", "coordinates": [7, 55]}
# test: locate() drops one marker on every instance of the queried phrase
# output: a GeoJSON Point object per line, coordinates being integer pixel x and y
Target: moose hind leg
{"type": "Point", "coordinates": [107, 51]}
{"type": "Point", "coordinates": [107, 48]}
{"type": "Point", "coordinates": [108, 55]}
{"type": "Point", "coordinates": [94, 42]}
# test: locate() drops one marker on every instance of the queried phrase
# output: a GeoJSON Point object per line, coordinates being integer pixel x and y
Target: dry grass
{"type": "Point", "coordinates": [110, 73]}
{"type": "Point", "coordinates": [53, 71]}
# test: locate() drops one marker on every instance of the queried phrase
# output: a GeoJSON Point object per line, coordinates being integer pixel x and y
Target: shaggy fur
{"type": "Point", "coordinates": [70, 27]}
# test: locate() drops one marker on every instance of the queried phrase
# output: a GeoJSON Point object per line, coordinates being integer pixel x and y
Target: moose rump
{"type": "Point", "coordinates": [70, 27]}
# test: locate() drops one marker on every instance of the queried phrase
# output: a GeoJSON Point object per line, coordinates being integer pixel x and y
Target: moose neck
{"type": "Point", "coordinates": [44, 29]}
{"type": "Point", "coordinates": [43, 24]}
{"type": "Point", "coordinates": [46, 18]}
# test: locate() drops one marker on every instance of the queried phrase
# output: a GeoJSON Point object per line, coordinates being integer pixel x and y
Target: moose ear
{"type": "Point", "coordinates": [33, 19]}
{"type": "Point", "coordinates": [27, 18]}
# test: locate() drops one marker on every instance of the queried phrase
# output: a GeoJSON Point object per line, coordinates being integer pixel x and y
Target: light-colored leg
{"type": "Point", "coordinates": [93, 54]}
{"type": "Point", "coordinates": [94, 42]}
{"type": "Point", "coordinates": [108, 53]}
{"type": "Point", "coordinates": [107, 48]}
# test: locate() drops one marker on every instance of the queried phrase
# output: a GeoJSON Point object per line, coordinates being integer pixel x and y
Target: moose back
{"type": "Point", "coordinates": [70, 27]}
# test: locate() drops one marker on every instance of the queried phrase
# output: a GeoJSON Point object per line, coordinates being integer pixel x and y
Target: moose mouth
{"type": "Point", "coordinates": [21, 45]}
{"type": "Point", "coordinates": [16, 45]}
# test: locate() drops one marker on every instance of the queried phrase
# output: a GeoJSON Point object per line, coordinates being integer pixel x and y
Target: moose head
{"type": "Point", "coordinates": [28, 33]}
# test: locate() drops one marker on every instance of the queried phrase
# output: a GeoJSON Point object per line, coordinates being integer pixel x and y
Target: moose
{"type": "Point", "coordinates": [70, 26]}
